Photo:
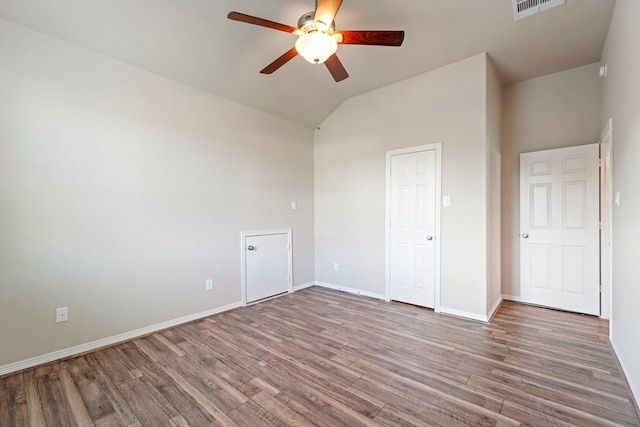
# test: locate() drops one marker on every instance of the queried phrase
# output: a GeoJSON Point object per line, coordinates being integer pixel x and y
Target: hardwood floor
{"type": "Point", "coordinates": [322, 357]}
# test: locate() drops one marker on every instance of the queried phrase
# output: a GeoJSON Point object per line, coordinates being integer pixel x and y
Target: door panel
{"type": "Point", "coordinates": [266, 266]}
{"type": "Point", "coordinates": [574, 204]}
{"type": "Point", "coordinates": [540, 258]}
{"type": "Point", "coordinates": [412, 228]}
{"type": "Point", "coordinates": [573, 269]}
{"type": "Point", "coordinates": [540, 206]}
{"type": "Point", "coordinates": [559, 217]}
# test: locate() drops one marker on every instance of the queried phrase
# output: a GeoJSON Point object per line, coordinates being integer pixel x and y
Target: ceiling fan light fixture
{"type": "Point", "coordinates": [318, 39]}
{"type": "Point", "coordinates": [316, 47]}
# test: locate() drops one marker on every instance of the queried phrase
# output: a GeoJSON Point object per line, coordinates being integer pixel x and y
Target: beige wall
{"type": "Point", "coordinates": [553, 111]}
{"type": "Point", "coordinates": [493, 129]}
{"type": "Point", "coordinates": [621, 102]}
{"type": "Point", "coordinates": [121, 192]}
{"type": "Point", "coordinates": [447, 105]}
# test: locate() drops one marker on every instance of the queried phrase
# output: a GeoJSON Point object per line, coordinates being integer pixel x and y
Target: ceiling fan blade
{"type": "Point", "coordinates": [379, 38]}
{"type": "Point", "coordinates": [336, 68]}
{"type": "Point", "coordinates": [326, 10]}
{"type": "Point", "coordinates": [286, 57]}
{"type": "Point", "coordinates": [237, 16]}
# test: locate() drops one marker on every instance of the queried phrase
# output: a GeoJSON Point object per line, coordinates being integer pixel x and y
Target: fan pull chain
{"type": "Point", "coordinates": [318, 98]}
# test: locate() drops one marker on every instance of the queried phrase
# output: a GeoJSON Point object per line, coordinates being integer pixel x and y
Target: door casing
{"type": "Point", "coordinates": [606, 214]}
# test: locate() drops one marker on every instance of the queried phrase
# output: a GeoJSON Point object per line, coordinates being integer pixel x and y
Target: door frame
{"type": "Point", "coordinates": [437, 147]}
{"type": "Point", "coordinates": [243, 258]}
{"type": "Point", "coordinates": [606, 215]}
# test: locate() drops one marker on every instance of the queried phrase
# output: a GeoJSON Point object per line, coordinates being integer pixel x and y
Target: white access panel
{"type": "Point", "coordinates": [266, 265]}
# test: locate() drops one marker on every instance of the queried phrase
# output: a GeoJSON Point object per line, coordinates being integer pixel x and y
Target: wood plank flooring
{"type": "Point", "coordinates": [325, 358]}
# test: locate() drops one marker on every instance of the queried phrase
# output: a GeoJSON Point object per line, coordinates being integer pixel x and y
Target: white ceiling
{"type": "Point", "coordinates": [193, 42]}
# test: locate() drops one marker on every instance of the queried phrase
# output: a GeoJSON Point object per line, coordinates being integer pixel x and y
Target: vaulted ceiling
{"type": "Point", "coordinates": [193, 42]}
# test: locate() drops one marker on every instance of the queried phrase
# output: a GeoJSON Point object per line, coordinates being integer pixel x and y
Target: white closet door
{"type": "Point", "coordinates": [559, 233]}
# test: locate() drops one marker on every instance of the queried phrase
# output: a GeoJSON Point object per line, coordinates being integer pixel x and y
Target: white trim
{"type": "Point", "coordinates": [606, 293]}
{"type": "Point", "coordinates": [635, 387]}
{"type": "Point", "coordinates": [105, 342]}
{"type": "Point", "coordinates": [437, 146]}
{"type": "Point", "coordinates": [465, 314]}
{"type": "Point", "coordinates": [350, 290]}
{"type": "Point", "coordinates": [495, 307]}
{"type": "Point", "coordinates": [303, 286]}
{"type": "Point", "coordinates": [243, 258]}
{"type": "Point", "coordinates": [266, 232]}
{"type": "Point", "coordinates": [516, 298]}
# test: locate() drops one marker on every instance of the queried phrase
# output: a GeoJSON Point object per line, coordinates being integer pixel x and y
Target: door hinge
{"type": "Point", "coordinates": [599, 225]}
{"type": "Point", "coordinates": [600, 163]}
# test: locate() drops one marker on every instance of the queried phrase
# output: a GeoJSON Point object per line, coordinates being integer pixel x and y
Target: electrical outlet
{"type": "Point", "coordinates": [62, 314]}
{"type": "Point", "coordinates": [336, 267]}
{"type": "Point", "coordinates": [208, 285]}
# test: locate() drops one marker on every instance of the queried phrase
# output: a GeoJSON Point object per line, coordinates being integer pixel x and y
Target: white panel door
{"type": "Point", "coordinates": [559, 235]}
{"type": "Point", "coordinates": [412, 228]}
{"type": "Point", "coordinates": [266, 265]}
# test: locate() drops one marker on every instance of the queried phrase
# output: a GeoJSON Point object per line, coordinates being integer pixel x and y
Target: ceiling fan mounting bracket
{"type": "Point", "coordinates": [307, 24]}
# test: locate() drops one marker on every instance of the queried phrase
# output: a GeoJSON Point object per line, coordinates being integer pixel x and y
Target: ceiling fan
{"type": "Point", "coordinates": [318, 39]}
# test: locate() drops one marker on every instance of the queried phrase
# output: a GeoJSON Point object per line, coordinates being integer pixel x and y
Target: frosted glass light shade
{"type": "Point", "coordinates": [316, 47]}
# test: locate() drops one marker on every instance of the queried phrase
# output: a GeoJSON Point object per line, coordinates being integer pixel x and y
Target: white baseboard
{"type": "Point", "coordinates": [94, 345]}
{"type": "Point", "coordinates": [473, 316]}
{"type": "Point", "coordinates": [444, 310]}
{"type": "Point", "coordinates": [465, 314]}
{"type": "Point", "coordinates": [349, 290]}
{"type": "Point", "coordinates": [635, 388]}
{"type": "Point", "coordinates": [495, 307]}
{"type": "Point", "coordinates": [303, 286]}
{"type": "Point", "coordinates": [515, 298]}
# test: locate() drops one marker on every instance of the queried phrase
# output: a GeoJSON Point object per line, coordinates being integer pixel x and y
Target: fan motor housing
{"type": "Point", "coordinates": [306, 18]}
{"type": "Point", "coordinates": [307, 24]}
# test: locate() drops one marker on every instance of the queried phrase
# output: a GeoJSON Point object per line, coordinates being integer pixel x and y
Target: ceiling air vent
{"type": "Point", "coordinates": [524, 8]}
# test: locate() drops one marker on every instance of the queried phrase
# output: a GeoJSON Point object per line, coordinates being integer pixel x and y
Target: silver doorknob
{"type": "Point", "coordinates": [525, 235]}
{"type": "Point", "coordinates": [429, 237]}
{"type": "Point", "coordinates": [251, 248]}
